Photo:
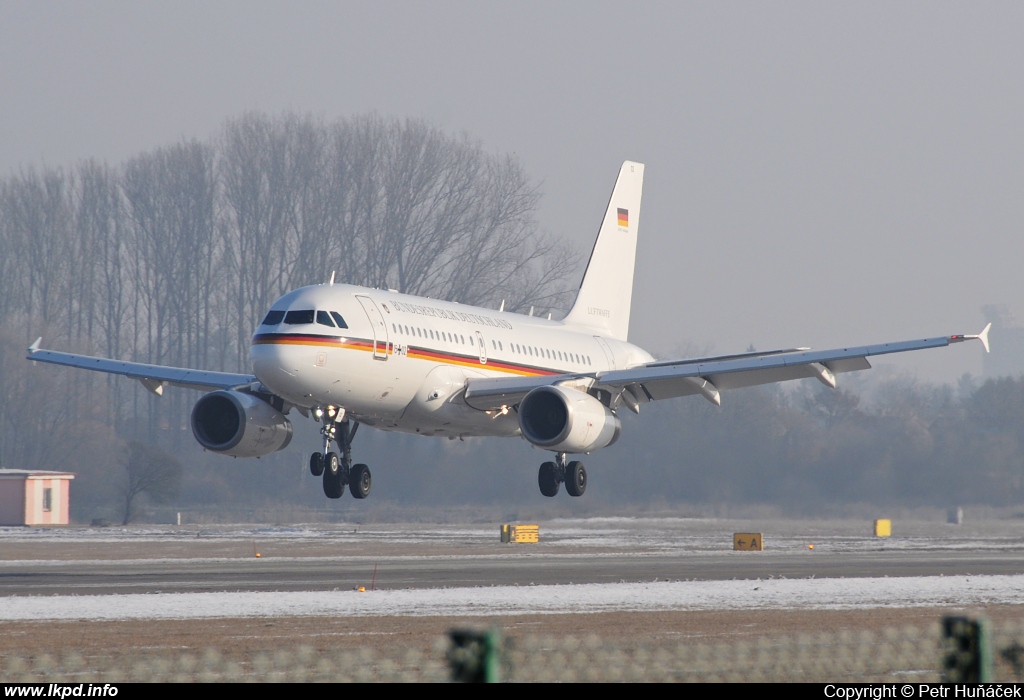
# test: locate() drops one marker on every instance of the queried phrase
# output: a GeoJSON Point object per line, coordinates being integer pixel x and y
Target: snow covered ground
{"type": "Point", "coordinates": [821, 594]}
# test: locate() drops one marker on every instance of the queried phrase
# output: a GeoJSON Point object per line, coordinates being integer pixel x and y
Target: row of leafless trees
{"type": "Point", "coordinates": [174, 256]}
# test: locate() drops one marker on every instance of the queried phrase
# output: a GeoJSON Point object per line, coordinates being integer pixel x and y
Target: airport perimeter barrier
{"type": "Point", "coordinates": [904, 655]}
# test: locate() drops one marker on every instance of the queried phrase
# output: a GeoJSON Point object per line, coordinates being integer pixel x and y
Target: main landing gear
{"type": "Point", "coordinates": [338, 471]}
{"type": "Point", "coordinates": [554, 474]}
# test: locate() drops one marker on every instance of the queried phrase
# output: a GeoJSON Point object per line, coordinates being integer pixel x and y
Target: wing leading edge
{"type": "Point", "coordinates": [708, 376]}
{"type": "Point", "coordinates": [153, 377]}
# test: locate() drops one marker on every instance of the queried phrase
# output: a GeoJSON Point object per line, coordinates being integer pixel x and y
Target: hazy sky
{"type": "Point", "coordinates": [817, 173]}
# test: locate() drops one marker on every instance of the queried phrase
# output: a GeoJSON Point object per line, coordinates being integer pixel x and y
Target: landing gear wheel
{"type": "Point", "coordinates": [334, 483]}
{"type": "Point", "coordinates": [575, 479]}
{"type": "Point", "coordinates": [548, 479]}
{"type": "Point", "coordinates": [316, 464]}
{"type": "Point", "coordinates": [360, 481]}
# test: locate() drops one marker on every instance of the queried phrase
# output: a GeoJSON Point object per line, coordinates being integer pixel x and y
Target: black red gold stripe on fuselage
{"type": "Point", "coordinates": [331, 341]}
{"type": "Point", "coordinates": [474, 361]}
{"type": "Point", "coordinates": [412, 351]}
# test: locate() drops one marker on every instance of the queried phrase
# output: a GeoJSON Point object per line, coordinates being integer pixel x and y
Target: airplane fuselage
{"type": "Point", "coordinates": [401, 361]}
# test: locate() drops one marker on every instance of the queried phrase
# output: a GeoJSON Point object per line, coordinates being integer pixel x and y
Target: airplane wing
{"type": "Point", "coordinates": [707, 376]}
{"type": "Point", "coordinates": [153, 377]}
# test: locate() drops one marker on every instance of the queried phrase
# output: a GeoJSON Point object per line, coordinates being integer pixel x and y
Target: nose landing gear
{"type": "Point", "coordinates": [338, 471]}
{"type": "Point", "coordinates": [554, 474]}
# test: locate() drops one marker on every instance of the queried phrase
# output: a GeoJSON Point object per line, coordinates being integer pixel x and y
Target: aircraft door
{"type": "Point", "coordinates": [482, 347]}
{"type": "Point", "coordinates": [380, 329]}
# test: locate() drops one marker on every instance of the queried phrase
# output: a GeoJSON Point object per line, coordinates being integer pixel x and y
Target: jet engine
{"type": "Point", "coordinates": [238, 424]}
{"type": "Point", "coordinates": [567, 420]}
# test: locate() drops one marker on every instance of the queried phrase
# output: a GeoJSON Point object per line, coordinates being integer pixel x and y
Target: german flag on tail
{"type": "Point", "coordinates": [624, 218]}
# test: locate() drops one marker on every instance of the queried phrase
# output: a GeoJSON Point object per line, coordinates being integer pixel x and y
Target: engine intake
{"type": "Point", "coordinates": [238, 424]}
{"type": "Point", "coordinates": [567, 420]}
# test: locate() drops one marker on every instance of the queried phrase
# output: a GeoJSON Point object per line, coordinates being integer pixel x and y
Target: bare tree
{"type": "Point", "coordinates": [435, 215]}
{"type": "Point", "coordinates": [150, 471]}
{"type": "Point", "coordinates": [170, 197]}
{"type": "Point", "coordinates": [384, 203]}
{"type": "Point", "coordinates": [36, 214]}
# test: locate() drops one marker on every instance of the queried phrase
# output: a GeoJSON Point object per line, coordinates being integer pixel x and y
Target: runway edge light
{"type": "Point", "coordinates": [883, 528]}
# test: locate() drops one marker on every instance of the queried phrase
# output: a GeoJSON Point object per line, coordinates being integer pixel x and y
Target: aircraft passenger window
{"type": "Point", "coordinates": [462, 340]}
{"type": "Point", "coordinates": [324, 319]}
{"type": "Point", "coordinates": [338, 319]}
{"type": "Point", "coordinates": [273, 318]}
{"type": "Point", "coordinates": [500, 346]}
{"type": "Point", "coordinates": [300, 316]}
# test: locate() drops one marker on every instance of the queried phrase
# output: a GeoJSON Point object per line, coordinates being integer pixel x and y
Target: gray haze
{"type": "Point", "coordinates": [817, 174]}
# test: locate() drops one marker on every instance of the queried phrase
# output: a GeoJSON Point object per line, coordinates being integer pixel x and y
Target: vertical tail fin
{"type": "Point", "coordinates": [602, 304]}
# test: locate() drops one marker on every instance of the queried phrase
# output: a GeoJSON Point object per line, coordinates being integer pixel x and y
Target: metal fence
{"type": "Point", "coordinates": [910, 655]}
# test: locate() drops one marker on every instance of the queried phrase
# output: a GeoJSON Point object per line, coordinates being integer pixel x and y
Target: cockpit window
{"type": "Point", "coordinates": [324, 319]}
{"type": "Point", "coordinates": [273, 318]}
{"type": "Point", "coordinates": [340, 321]}
{"type": "Point", "coordinates": [299, 316]}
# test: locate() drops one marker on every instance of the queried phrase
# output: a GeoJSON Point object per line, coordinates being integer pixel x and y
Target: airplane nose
{"type": "Point", "coordinates": [271, 361]}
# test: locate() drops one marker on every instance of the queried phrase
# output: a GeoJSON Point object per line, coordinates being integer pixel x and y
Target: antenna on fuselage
{"type": "Point", "coordinates": [331, 283]}
{"type": "Point", "coordinates": [531, 311]}
{"type": "Point", "coordinates": [502, 307]}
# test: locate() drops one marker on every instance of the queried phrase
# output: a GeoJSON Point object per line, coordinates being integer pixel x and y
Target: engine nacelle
{"type": "Point", "coordinates": [240, 425]}
{"type": "Point", "coordinates": [567, 420]}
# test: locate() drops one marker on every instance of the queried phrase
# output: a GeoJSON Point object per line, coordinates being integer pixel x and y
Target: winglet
{"type": "Point", "coordinates": [983, 337]}
{"type": "Point", "coordinates": [35, 346]}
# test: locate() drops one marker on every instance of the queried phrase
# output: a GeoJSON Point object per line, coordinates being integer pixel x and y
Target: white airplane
{"type": "Point", "coordinates": [347, 355]}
